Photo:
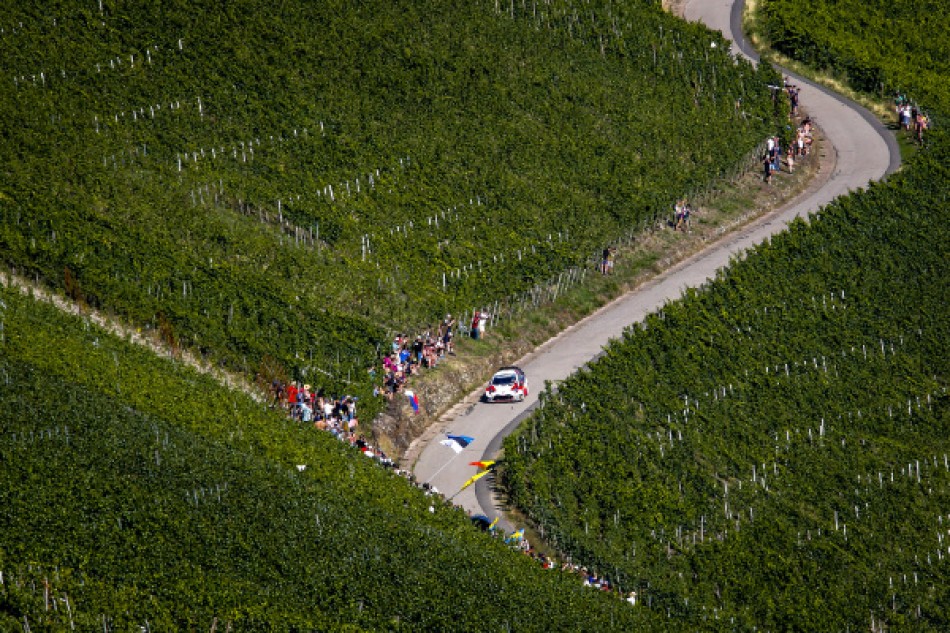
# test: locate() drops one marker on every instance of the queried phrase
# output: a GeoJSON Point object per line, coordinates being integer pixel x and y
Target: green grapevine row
{"type": "Point", "coordinates": [880, 47]}
{"type": "Point", "coordinates": [186, 166]}
{"type": "Point", "coordinates": [136, 493]}
{"type": "Point", "coordinates": [771, 450]}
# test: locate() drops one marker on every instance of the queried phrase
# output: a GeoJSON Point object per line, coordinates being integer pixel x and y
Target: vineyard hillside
{"type": "Point", "coordinates": [882, 48]}
{"type": "Point", "coordinates": [136, 494]}
{"type": "Point", "coordinates": [771, 451]}
{"type": "Point", "coordinates": [279, 187]}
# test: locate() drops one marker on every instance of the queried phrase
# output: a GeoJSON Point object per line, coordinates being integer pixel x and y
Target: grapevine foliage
{"type": "Point", "coordinates": [771, 451]}
{"type": "Point", "coordinates": [879, 47]}
{"type": "Point", "coordinates": [136, 493]}
{"type": "Point", "coordinates": [293, 183]}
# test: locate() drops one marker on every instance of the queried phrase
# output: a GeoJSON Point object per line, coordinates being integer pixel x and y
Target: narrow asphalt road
{"type": "Point", "coordinates": [865, 150]}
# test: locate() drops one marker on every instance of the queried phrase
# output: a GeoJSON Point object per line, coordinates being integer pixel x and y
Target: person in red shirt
{"type": "Point", "coordinates": [291, 395]}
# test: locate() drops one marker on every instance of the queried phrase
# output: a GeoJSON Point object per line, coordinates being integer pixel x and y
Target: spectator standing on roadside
{"type": "Point", "coordinates": [684, 218]}
{"type": "Point", "coordinates": [482, 323]}
{"type": "Point", "coordinates": [430, 357]}
{"type": "Point", "coordinates": [476, 322]}
{"type": "Point", "coordinates": [448, 332]}
{"type": "Point", "coordinates": [767, 169]}
{"type": "Point", "coordinates": [607, 260]}
{"type": "Point", "coordinates": [417, 347]}
{"type": "Point", "coordinates": [776, 154]}
{"type": "Point", "coordinates": [277, 389]}
{"type": "Point", "coordinates": [292, 397]}
{"type": "Point", "coordinates": [682, 215]}
{"type": "Point", "coordinates": [898, 104]}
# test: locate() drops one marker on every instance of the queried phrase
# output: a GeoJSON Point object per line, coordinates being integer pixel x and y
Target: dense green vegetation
{"type": "Point", "coordinates": [771, 451]}
{"type": "Point", "coordinates": [715, 455]}
{"type": "Point", "coordinates": [880, 47]}
{"type": "Point", "coordinates": [286, 184]}
{"type": "Point", "coordinates": [136, 493]}
{"type": "Point", "coordinates": [289, 183]}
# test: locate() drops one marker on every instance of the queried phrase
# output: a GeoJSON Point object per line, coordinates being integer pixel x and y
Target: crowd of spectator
{"type": "Point", "coordinates": [910, 118]}
{"type": "Point", "coordinates": [408, 356]}
{"type": "Point", "coordinates": [336, 416]}
{"type": "Point", "coordinates": [776, 154]}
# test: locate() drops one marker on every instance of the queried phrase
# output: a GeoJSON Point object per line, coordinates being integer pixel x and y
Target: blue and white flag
{"type": "Point", "coordinates": [457, 442]}
{"type": "Point", "coordinates": [464, 440]}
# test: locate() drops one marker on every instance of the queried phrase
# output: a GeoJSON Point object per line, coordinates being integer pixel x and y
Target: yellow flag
{"type": "Point", "coordinates": [473, 479]}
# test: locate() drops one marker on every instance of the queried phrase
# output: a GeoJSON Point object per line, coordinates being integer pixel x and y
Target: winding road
{"type": "Point", "coordinates": [865, 151]}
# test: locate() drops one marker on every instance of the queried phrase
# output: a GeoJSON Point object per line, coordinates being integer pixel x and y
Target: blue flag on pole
{"type": "Point", "coordinates": [457, 442]}
{"type": "Point", "coordinates": [463, 440]}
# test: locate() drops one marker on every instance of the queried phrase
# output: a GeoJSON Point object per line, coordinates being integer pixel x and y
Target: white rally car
{"type": "Point", "coordinates": [508, 384]}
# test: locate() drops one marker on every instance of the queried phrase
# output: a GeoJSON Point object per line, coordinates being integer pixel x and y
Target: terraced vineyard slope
{"type": "Point", "coordinates": [772, 451]}
{"type": "Point", "coordinates": [881, 48]}
{"type": "Point", "coordinates": [136, 493]}
{"type": "Point", "coordinates": [280, 187]}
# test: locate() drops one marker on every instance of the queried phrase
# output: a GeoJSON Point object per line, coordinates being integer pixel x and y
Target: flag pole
{"type": "Point", "coordinates": [433, 475]}
{"type": "Point", "coordinates": [468, 482]}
